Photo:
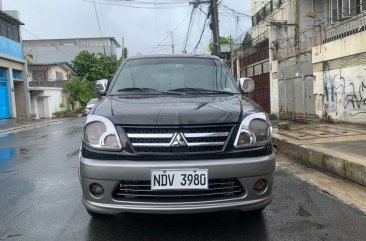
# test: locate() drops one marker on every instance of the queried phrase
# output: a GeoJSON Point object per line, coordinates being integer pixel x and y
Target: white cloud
{"type": "Point", "coordinates": [76, 18]}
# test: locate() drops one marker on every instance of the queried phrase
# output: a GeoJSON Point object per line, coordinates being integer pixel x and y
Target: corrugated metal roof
{"type": "Point", "coordinates": [9, 18]}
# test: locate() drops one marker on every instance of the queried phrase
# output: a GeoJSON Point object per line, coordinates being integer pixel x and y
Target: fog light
{"type": "Point", "coordinates": [96, 189]}
{"type": "Point", "coordinates": [260, 185]}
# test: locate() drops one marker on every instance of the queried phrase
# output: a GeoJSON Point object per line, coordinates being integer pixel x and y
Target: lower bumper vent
{"type": "Point", "coordinates": [219, 189]}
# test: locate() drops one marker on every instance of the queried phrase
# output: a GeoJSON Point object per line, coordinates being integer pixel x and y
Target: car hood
{"type": "Point", "coordinates": [172, 110]}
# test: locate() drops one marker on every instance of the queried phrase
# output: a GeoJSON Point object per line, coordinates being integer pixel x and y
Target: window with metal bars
{"type": "Point", "coordinates": [341, 9]}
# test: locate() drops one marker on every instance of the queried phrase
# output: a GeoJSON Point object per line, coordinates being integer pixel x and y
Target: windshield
{"type": "Point", "coordinates": [183, 74]}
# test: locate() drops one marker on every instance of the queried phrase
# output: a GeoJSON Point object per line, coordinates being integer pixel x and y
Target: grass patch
{"type": "Point", "coordinates": [66, 113]}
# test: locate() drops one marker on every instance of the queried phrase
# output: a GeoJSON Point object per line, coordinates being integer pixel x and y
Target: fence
{"type": "Point", "coordinates": [45, 83]}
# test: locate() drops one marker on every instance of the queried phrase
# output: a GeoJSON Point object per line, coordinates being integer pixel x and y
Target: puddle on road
{"type": "Point", "coordinates": [23, 151]}
{"type": "Point", "coordinates": [72, 154]}
{"type": "Point", "coordinates": [5, 134]}
{"type": "Point", "coordinates": [6, 155]}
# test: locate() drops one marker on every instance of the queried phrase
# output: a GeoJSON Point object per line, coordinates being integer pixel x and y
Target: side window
{"type": "Point", "coordinates": [3, 29]}
{"type": "Point", "coordinates": [361, 4]}
{"type": "Point", "coordinates": [340, 9]}
{"type": "Point", "coordinates": [59, 75]}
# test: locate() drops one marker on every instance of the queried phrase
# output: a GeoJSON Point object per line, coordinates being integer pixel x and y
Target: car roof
{"type": "Point", "coordinates": [173, 56]}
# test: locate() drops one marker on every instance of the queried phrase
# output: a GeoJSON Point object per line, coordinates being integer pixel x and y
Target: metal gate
{"type": "Point", "coordinates": [4, 99]}
{"type": "Point", "coordinates": [296, 99]}
{"type": "Point", "coordinates": [256, 66]}
{"type": "Point", "coordinates": [261, 93]}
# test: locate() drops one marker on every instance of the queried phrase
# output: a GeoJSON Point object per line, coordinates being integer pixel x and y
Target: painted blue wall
{"type": "Point", "coordinates": [11, 47]}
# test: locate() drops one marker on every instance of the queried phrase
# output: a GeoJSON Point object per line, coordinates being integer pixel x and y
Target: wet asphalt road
{"type": "Point", "coordinates": [40, 199]}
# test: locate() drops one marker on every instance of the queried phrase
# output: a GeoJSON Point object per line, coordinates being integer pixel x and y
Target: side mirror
{"type": "Point", "coordinates": [247, 85]}
{"type": "Point", "coordinates": [101, 86]}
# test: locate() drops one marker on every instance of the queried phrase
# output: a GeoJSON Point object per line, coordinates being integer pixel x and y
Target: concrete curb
{"type": "Point", "coordinates": [34, 125]}
{"type": "Point", "coordinates": [348, 168]}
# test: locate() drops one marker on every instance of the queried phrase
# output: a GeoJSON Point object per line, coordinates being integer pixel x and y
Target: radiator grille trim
{"type": "Point", "coordinates": [140, 191]}
{"type": "Point", "coordinates": [200, 139]}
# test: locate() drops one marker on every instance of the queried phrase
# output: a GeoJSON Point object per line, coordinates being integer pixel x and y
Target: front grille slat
{"type": "Point", "coordinates": [180, 195]}
{"type": "Point", "coordinates": [141, 191]}
{"type": "Point", "coordinates": [179, 139]}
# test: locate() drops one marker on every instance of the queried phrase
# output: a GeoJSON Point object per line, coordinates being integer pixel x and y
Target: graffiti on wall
{"type": "Point", "coordinates": [347, 93]}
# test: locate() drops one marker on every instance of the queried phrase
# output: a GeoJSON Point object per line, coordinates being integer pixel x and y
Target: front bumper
{"type": "Point", "coordinates": [109, 173]}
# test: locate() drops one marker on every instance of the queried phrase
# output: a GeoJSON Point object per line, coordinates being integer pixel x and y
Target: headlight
{"type": "Point", "coordinates": [100, 133]}
{"type": "Point", "coordinates": [255, 130]}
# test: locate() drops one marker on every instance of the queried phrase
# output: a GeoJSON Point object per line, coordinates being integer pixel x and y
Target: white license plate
{"type": "Point", "coordinates": [179, 179]}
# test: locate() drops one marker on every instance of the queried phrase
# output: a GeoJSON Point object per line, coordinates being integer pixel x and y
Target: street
{"type": "Point", "coordinates": [41, 200]}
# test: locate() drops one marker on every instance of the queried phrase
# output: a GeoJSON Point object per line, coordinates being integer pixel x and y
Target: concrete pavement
{"type": "Point", "coordinates": [15, 125]}
{"type": "Point", "coordinates": [336, 148]}
{"type": "Point", "coordinates": [41, 200]}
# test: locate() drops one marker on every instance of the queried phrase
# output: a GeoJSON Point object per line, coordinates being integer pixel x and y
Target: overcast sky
{"type": "Point", "coordinates": [142, 29]}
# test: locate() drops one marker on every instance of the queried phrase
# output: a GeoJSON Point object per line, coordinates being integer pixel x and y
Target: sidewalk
{"type": "Point", "coordinates": [337, 148]}
{"type": "Point", "coordinates": [14, 125]}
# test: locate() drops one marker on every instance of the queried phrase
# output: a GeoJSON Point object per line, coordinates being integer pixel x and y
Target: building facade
{"type": "Point", "coordinates": [61, 50]}
{"type": "Point", "coordinates": [14, 91]}
{"type": "Point", "coordinates": [317, 59]}
{"type": "Point", "coordinates": [339, 62]}
{"type": "Point", "coordinates": [47, 82]}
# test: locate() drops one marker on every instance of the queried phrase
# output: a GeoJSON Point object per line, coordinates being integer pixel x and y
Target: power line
{"type": "Point", "coordinates": [166, 37]}
{"type": "Point", "coordinates": [139, 4]}
{"type": "Point", "coordinates": [199, 41]}
{"type": "Point", "coordinates": [189, 28]}
{"type": "Point", "coordinates": [156, 23]}
{"type": "Point", "coordinates": [96, 14]}
{"type": "Point", "coordinates": [100, 30]}
{"type": "Point", "coordinates": [234, 11]}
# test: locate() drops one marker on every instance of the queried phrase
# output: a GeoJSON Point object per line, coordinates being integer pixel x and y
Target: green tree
{"type": "Point", "coordinates": [223, 40]}
{"type": "Point", "coordinates": [93, 66]}
{"type": "Point", "coordinates": [124, 53]}
{"type": "Point", "coordinates": [80, 90]}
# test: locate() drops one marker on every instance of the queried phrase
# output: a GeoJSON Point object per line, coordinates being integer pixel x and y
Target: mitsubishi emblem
{"type": "Point", "coordinates": [178, 140]}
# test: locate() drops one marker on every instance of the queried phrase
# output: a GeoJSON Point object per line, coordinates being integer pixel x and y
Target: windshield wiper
{"type": "Point", "coordinates": [204, 90]}
{"type": "Point", "coordinates": [143, 89]}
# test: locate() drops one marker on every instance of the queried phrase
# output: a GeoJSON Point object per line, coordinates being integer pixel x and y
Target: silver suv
{"type": "Point", "coordinates": [175, 134]}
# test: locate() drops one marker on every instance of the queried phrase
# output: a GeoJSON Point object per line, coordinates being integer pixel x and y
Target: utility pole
{"type": "Point", "coordinates": [172, 41]}
{"type": "Point", "coordinates": [123, 48]}
{"type": "Point", "coordinates": [215, 28]}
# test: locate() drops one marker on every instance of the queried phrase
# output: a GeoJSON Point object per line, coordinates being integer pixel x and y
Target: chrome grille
{"type": "Point", "coordinates": [180, 140]}
{"type": "Point", "coordinates": [218, 189]}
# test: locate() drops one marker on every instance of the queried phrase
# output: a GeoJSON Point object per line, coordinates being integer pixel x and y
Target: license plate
{"type": "Point", "coordinates": [179, 179]}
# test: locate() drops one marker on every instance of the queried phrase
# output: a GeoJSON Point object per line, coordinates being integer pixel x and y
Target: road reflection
{"type": "Point", "coordinates": [231, 225]}
{"type": "Point", "coordinates": [6, 155]}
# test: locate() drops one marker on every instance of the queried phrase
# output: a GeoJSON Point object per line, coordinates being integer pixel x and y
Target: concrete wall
{"type": "Point", "coordinates": [60, 51]}
{"type": "Point", "coordinates": [20, 99]}
{"type": "Point", "coordinates": [10, 47]}
{"type": "Point", "coordinates": [51, 72]}
{"type": "Point", "coordinates": [260, 31]}
{"type": "Point", "coordinates": [45, 102]}
{"type": "Point", "coordinates": [341, 78]}
{"type": "Point", "coordinates": [290, 56]}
